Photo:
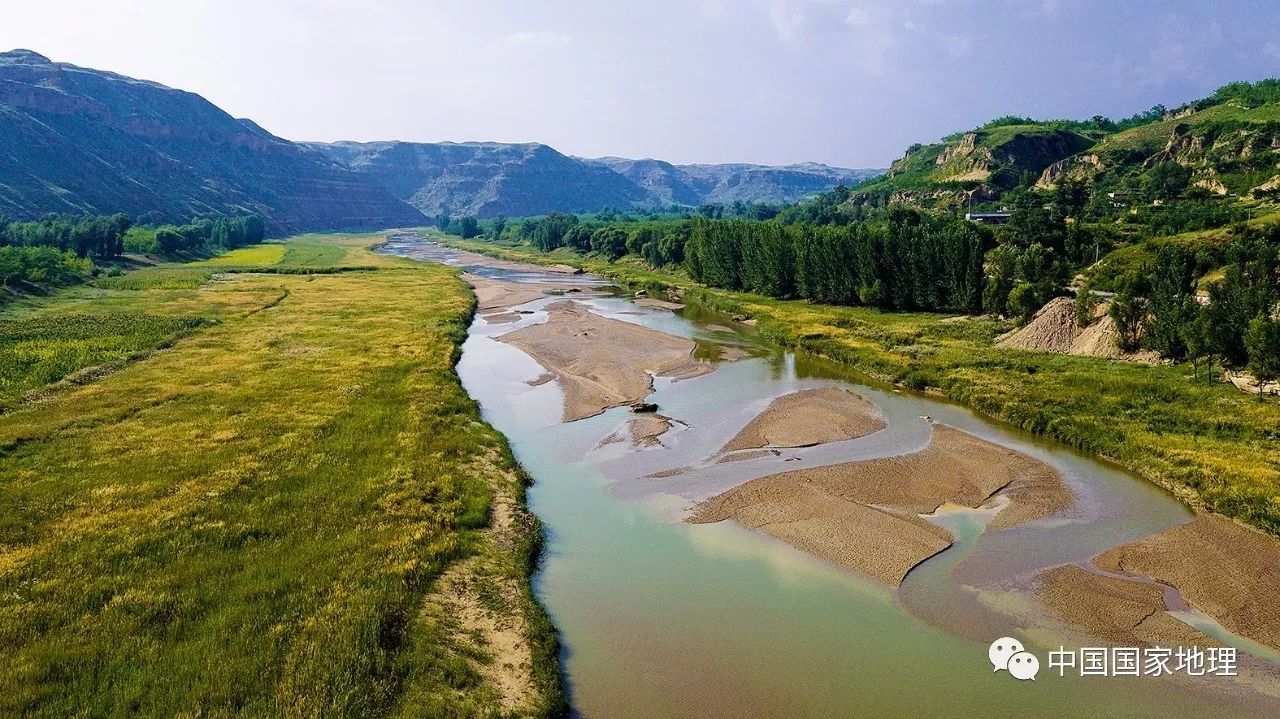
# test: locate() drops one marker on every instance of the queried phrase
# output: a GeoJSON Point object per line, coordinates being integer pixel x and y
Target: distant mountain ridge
{"type": "Point", "coordinates": [487, 179]}
{"type": "Point", "coordinates": [75, 140]}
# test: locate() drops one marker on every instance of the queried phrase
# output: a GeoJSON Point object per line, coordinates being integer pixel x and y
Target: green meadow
{"type": "Point", "coordinates": [233, 489]}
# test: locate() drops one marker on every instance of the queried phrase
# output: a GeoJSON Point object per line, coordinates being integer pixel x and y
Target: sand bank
{"type": "Point", "coordinates": [878, 543]}
{"type": "Point", "coordinates": [809, 417]}
{"type": "Point", "coordinates": [1121, 611]}
{"type": "Point", "coordinates": [828, 510]}
{"type": "Point", "coordinates": [602, 362]}
{"type": "Point", "coordinates": [492, 295]}
{"type": "Point", "coordinates": [1225, 569]}
{"type": "Point", "coordinates": [647, 430]}
{"type": "Point", "coordinates": [658, 304]}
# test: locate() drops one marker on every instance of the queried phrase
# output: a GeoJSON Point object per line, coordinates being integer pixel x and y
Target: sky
{"type": "Point", "coordinates": [844, 82]}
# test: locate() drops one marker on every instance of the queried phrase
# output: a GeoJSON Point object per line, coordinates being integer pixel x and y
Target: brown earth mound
{"type": "Point", "coordinates": [602, 362]}
{"type": "Point", "coordinates": [809, 417]}
{"type": "Point", "coordinates": [825, 510]}
{"type": "Point", "coordinates": [1222, 568]}
{"type": "Point", "coordinates": [1054, 329]}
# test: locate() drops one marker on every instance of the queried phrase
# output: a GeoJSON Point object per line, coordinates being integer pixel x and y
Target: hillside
{"type": "Point", "coordinates": [988, 160]}
{"type": "Point", "coordinates": [1227, 144]}
{"type": "Point", "coordinates": [488, 179]}
{"type": "Point", "coordinates": [86, 141]}
{"type": "Point", "coordinates": [701, 184]}
{"type": "Point", "coordinates": [83, 141]}
{"type": "Point", "coordinates": [1229, 149]}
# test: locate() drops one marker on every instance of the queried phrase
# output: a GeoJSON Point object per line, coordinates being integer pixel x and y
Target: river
{"type": "Point", "coordinates": [662, 618]}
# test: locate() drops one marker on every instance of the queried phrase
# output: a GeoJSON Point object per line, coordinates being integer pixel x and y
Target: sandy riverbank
{"type": "Point", "coordinates": [647, 430]}
{"type": "Point", "coordinates": [601, 362]}
{"type": "Point", "coordinates": [1225, 569]}
{"type": "Point", "coordinates": [809, 417]}
{"type": "Point", "coordinates": [861, 514]}
{"type": "Point", "coordinates": [1120, 611]}
{"type": "Point", "coordinates": [494, 296]}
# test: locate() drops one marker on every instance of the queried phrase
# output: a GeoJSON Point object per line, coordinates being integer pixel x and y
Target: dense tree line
{"type": "Point", "coordinates": [209, 234]}
{"type": "Point", "coordinates": [56, 250]}
{"type": "Point", "coordinates": [465, 227]}
{"type": "Point", "coordinates": [40, 265]}
{"type": "Point", "coordinates": [1236, 325]}
{"type": "Point", "coordinates": [907, 260]}
{"type": "Point", "coordinates": [98, 236]}
{"type": "Point", "coordinates": [61, 250]}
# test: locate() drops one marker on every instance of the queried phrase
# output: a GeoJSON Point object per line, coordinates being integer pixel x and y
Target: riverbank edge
{"type": "Point", "coordinates": [528, 543]}
{"type": "Point", "coordinates": [771, 328]}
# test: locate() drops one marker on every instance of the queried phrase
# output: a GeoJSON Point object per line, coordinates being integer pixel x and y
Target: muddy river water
{"type": "Point", "coordinates": [658, 617]}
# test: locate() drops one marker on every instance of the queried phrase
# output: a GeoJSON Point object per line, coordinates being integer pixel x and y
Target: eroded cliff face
{"type": "Point", "coordinates": [81, 140]}
{"type": "Point", "coordinates": [991, 159]}
{"type": "Point", "coordinates": [1229, 149]}
{"type": "Point", "coordinates": [487, 179]}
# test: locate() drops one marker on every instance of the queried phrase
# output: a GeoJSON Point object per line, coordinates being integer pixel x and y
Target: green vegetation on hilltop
{"type": "Point", "coordinates": [268, 518]}
{"type": "Point", "coordinates": [1225, 144]}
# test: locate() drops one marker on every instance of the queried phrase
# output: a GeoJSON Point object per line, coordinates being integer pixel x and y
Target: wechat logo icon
{"type": "Point", "coordinates": [1008, 654]}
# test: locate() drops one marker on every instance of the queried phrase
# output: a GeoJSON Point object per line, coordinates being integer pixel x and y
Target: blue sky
{"type": "Point", "coordinates": [846, 82]}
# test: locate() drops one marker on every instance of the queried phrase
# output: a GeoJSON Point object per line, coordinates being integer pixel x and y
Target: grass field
{"type": "Point", "coordinates": [1212, 445]}
{"type": "Point", "coordinates": [272, 514]}
{"type": "Point", "coordinates": [251, 256]}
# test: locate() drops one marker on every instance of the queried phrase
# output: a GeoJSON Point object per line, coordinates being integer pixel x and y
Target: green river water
{"type": "Point", "coordinates": [659, 618]}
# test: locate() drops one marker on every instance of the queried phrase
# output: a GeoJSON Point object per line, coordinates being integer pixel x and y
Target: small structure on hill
{"type": "Point", "coordinates": [988, 218]}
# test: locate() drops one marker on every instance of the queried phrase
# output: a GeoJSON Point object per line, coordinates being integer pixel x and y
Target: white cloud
{"type": "Point", "coordinates": [712, 8]}
{"type": "Point", "coordinates": [1272, 50]}
{"type": "Point", "coordinates": [787, 17]}
{"type": "Point", "coordinates": [537, 38]}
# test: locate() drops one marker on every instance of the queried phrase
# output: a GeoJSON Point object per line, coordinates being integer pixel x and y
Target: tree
{"type": "Point", "coordinates": [169, 241]}
{"type": "Point", "coordinates": [1171, 280]}
{"type": "Point", "coordinates": [1197, 337]}
{"type": "Point", "coordinates": [1070, 196]}
{"type": "Point", "coordinates": [497, 226]}
{"type": "Point", "coordinates": [1128, 311]}
{"type": "Point", "coordinates": [1086, 303]}
{"type": "Point", "coordinates": [1023, 302]}
{"type": "Point", "coordinates": [1262, 341]}
{"type": "Point", "coordinates": [1168, 180]}
{"type": "Point", "coordinates": [610, 242]}
{"type": "Point", "coordinates": [1001, 267]}
{"type": "Point", "coordinates": [468, 227]}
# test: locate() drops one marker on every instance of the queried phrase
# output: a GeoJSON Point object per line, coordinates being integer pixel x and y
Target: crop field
{"type": "Point", "coordinates": [41, 351]}
{"type": "Point", "coordinates": [253, 255]}
{"type": "Point", "coordinates": [255, 520]}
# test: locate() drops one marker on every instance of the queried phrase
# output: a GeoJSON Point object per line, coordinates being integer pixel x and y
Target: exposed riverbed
{"type": "Point", "coordinates": [659, 617]}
